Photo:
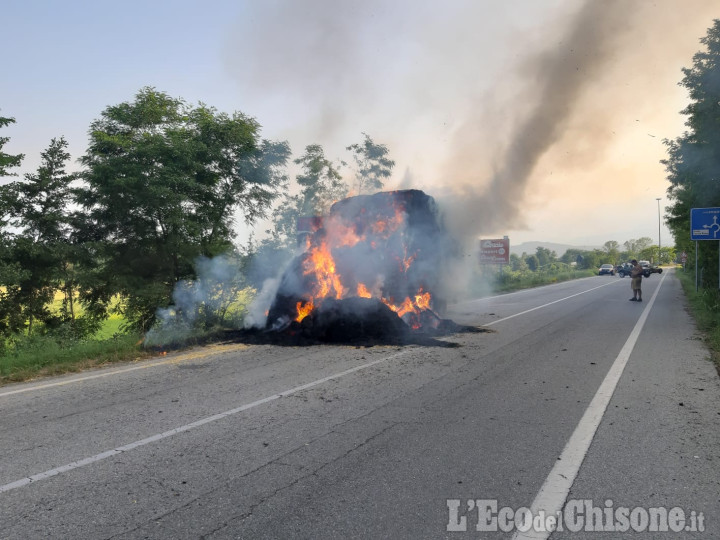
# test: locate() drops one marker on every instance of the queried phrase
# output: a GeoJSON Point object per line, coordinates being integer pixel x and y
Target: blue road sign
{"type": "Point", "coordinates": [705, 224]}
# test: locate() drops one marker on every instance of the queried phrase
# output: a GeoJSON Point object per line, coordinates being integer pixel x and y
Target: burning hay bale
{"type": "Point", "coordinates": [371, 267]}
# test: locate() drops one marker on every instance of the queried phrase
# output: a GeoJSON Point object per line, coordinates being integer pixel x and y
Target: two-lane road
{"type": "Point", "coordinates": [574, 394]}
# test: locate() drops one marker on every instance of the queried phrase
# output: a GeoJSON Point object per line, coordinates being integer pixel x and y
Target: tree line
{"type": "Point", "coordinates": [163, 182]}
{"type": "Point", "coordinates": [611, 253]}
{"type": "Point", "coordinates": [693, 163]}
{"type": "Point", "coordinates": [161, 186]}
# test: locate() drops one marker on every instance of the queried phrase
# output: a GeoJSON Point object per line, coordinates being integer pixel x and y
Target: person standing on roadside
{"type": "Point", "coordinates": [636, 273]}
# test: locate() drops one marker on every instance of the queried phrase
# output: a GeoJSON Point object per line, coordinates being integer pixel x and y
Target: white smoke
{"type": "Point", "coordinates": [198, 305]}
{"type": "Point", "coordinates": [258, 309]}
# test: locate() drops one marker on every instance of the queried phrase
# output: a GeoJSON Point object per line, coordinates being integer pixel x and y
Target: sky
{"type": "Point", "coordinates": [539, 120]}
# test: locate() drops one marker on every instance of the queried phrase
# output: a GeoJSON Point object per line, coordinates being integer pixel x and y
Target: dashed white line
{"type": "Point", "coordinates": [154, 438]}
{"type": "Point", "coordinates": [548, 304]}
{"type": "Point", "coordinates": [187, 427]}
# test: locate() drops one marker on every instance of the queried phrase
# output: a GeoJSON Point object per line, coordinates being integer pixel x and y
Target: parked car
{"type": "Point", "coordinates": [606, 269]}
{"type": "Point", "coordinates": [625, 269]}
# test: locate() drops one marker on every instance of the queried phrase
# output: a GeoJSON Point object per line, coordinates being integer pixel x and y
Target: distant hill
{"type": "Point", "coordinates": [559, 249]}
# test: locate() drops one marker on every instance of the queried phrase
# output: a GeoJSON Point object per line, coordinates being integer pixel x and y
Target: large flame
{"type": "Point", "coordinates": [320, 265]}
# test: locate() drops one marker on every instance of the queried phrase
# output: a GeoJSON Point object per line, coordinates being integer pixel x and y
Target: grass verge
{"type": "Point", "coordinates": [515, 281]}
{"type": "Point", "coordinates": [42, 356]}
{"type": "Point", "coordinates": [705, 309]}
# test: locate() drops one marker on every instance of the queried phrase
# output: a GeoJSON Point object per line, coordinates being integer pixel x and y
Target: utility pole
{"type": "Point", "coordinates": [658, 203]}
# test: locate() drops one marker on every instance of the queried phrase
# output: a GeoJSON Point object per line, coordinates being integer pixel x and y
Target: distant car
{"type": "Point", "coordinates": [625, 269]}
{"type": "Point", "coordinates": [606, 269]}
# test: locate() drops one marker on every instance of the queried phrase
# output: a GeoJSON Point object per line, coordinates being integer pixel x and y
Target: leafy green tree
{"type": "Point", "coordinates": [611, 245]}
{"type": "Point", "coordinates": [665, 256]}
{"type": "Point", "coordinates": [532, 262]}
{"type": "Point", "coordinates": [321, 181]}
{"type": "Point", "coordinates": [650, 253]}
{"type": "Point", "coordinates": [8, 161]}
{"type": "Point", "coordinates": [373, 166]}
{"type": "Point", "coordinates": [321, 184]}
{"type": "Point", "coordinates": [571, 256]}
{"type": "Point", "coordinates": [694, 158]}
{"type": "Point", "coordinates": [10, 272]}
{"type": "Point", "coordinates": [545, 256]}
{"type": "Point", "coordinates": [163, 183]}
{"type": "Point", "coordinates": [39, 211]}
{"type": "Point", "coordinates": [612, 248]}
{"type": "Point", "coordinates": [633, 247]}
{"type": "Point", "coordinates": [517, 263]}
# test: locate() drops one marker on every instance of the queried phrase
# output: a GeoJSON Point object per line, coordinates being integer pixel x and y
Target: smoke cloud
{"type": "Point", "coordinates": [200, 304]}
{"type": "Point", "coordinates": [498, 110]}
{"type": "Point", "coordinates": [561, 76]}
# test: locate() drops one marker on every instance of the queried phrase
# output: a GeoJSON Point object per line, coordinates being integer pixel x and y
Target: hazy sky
{"type": "Point", "coordinates": [540, 120]}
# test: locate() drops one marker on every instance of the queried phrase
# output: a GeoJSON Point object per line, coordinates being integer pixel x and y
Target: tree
{"type": "Point", "coordinates": [572, 255]}
{"type": "Point", "coordinates": [694, 157]}
{"type": "Point", "coordinates": [545, 256]}
{"type": "Point", "coordinates": [517, 263]}
{"type": "Point", "coordinates": [8, 161]}
{"type": "Point", "coordinates": [611, 245]}
{"type": "Point", "coordinates": [593, 259]}
{"type": "Point", "coordinates": [321, 181]}
{"type": "Point", "coordinates": [39, 212]}
{"type": "Point", "coordinates": [162, 186]}
{"type": "Point", "coordinates": [634, 247]}
{"type": "Point", "coordinates": [322, 185]}
{"type": "Point", "coordinates": [372, 165]}
{"type": "Point", "coordinates": [10, 272]}
{"type": "Point", "coordinates": [532, 262]}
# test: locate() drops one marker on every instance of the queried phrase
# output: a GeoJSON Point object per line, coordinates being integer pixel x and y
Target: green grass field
{"type": "Point", "coordinates": [27, 357]}
{"type": "Point", "coordinates": [42, 356]}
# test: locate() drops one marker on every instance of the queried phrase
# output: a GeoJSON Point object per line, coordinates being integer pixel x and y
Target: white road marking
{"type": "Point", "coordinates": [553, 493]}
{"type": "Point", "coordinates": [187, 427]}
{"type": "Point", "coordinates": [521, 291]}
{"type": "Point", "coordinates": [110, 453]}
{"type": "Point", "coordinates": [176, 359]}
{"type": "Point", "coordinates": [548, 304]}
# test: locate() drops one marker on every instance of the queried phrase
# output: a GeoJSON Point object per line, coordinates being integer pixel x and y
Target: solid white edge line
{"type": "Point", "coordinates": [150, 363]}
{"type": "Point", "coordinates": [119, 450]}
{"type": "Point", "coordinates": [74, 380]}
{"type": "Point", "coordinates": [553, 493]}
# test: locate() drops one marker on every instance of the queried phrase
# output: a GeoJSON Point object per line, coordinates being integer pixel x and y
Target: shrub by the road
{"type": "Point", "coordinates": [705, 308]}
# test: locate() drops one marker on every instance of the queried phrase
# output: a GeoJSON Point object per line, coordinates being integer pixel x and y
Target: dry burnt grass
{"type": "Point", "coordinates": [295, 335]}
{"type": "Point", "coordinates": [348, 330]}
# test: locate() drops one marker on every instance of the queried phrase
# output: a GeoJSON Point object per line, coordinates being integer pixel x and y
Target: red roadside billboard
{"type": "Point", "coordinates": [495, 251]}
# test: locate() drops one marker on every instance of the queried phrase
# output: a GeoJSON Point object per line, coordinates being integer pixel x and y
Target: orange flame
{"type": "Point", "coordinates": [304, 309]}
{"type": "Point", "coordinates": [422, 300]}
{"type": "Point", "coordinates": [320, 263]}
{"type": "Point", "coordinates": [416, 304]}
{"type": "Point", "coordinates": [363, 292]}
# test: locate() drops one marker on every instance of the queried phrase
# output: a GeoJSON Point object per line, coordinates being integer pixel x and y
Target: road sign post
{"type": "Point", "coordinates": [704, 225]}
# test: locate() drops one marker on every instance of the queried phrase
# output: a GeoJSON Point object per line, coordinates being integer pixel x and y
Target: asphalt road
{"type": "Point", "coordinates": [574, 398]}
